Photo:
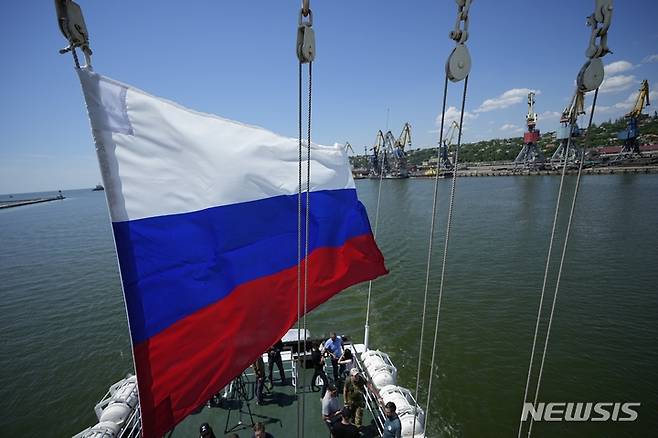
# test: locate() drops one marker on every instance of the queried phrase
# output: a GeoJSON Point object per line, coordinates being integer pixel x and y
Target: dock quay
{"type": "Point", "coordinates": [22, 202]}
{"type": "Point", "coordinates": [497, 171]}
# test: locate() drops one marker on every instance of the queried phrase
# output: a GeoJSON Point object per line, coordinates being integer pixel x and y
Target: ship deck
{"type": "Point", "coordinates": [235, 411]}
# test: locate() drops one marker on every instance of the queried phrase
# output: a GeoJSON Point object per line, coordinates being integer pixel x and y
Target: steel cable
{"type": "Point", "coordinates": [299, 231]}
{"type": "Point", "coordinates": [429, 251]}
{"type": "Point", "coordinates": [307, 221]}
{"type": "Point", "coordinates": [564, 251]}
{"type": "Point", "coordinates": [546, 268]}
{"type": "Point", "coordinates": [445, 246]}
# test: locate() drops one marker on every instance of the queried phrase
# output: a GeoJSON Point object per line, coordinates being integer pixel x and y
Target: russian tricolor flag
{"type": "Point", "coordinates": [204, 213]}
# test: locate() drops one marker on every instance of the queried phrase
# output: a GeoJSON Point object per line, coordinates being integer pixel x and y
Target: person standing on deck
{"type": "Point", "coordinates": [331, 407]}
{"type": "Point", "coordinates": [392, 425]}
{"type": "Point", "coordinates": [259, 370]}
{"type": "Point", "coordinates": [334, 345]}
{"type": "Point", "coordinates": [346, 362]}
{"type": "Point", "coordinates": [274, 357]}
{"type": "Point", "coordinates": [354, 394]}
{"type": "Point", "coordinates": [318, 364]}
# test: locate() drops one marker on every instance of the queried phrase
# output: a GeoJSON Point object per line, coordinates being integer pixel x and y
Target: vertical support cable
{"type": "Point", "coordinates": [546, 268]}
{"type": "Point", "coordinates": [429, 251]}
{"type": "Point", "coordinates": [564, 251]}
{"type": "Point", "coordinates": [299, 232]}
{"type": "Point", "coordinates": [306, 237]}
{"type": "Point", "coordinates": [445, 246]}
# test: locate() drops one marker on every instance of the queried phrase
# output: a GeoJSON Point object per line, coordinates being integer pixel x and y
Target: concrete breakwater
{"type": "Point", "coordinates": [22, 202]}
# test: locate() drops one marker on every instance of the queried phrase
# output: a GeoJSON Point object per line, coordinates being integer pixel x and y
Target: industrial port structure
{"type": "Point", "coordinates": [393, 158]}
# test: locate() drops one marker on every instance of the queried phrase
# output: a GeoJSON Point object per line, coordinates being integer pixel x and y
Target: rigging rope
{"type": "Point", "coordinates": [307, 221]}
{"type": "Point", "coordinates": [564, 251]}
{"type": "Point", "coordinates": [76, 61]}
{"type": "Point", "coordinates": [299, 230]}
{"type": "Point", "coordinates": [306, 54]}
{"type": "Point", "coordinates": [546, 268]}
{"type": "Point", "coordinates": [445, 246]}
{"type": "Point", "coordinates": [429, 250]}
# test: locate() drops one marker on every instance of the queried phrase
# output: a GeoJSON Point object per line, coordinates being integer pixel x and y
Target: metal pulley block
{"type": "Point", "coordinates": [590, 75]}
{"type": "Point", "coordinates": [305, 38]}
{"type": "Point", "coordinates": [458, 65]}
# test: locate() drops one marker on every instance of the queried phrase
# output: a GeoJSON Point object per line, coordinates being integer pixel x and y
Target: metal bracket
{"type": "Point", "coordinates": [460, 33]}
{"type": "Point", "coordinates": [72, 25]}
{"type": "Point", "coordinates": [305, 37]}
{"type": "Point", "coordinates": [599, 21]}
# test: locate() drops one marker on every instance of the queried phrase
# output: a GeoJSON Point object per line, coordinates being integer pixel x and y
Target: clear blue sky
{"type": "Point", "coordinates": [237, 59]}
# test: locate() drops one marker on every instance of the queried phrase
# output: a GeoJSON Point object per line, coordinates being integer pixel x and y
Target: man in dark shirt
{"type": "Point", "coordinates": [274, 357]}
{"type": "Point", "coordinates": [318, 364]}
{"type": "Point", "coordinates": [345, 429]}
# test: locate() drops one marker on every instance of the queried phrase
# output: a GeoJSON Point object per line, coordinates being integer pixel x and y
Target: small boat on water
{"type": "Point", "coordinates": [98, 188]}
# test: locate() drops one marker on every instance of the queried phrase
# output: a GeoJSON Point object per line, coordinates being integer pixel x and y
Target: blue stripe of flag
{"type": "Point", "coordinates": [174, 265]}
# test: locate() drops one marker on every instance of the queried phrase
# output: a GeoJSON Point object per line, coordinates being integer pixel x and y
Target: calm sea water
{"type": "Point", "coordinates": [65, 339]}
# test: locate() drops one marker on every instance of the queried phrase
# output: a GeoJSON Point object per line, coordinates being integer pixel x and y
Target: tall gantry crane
{"type": "Point", "coordinates": [404, 139]}
{"type": "Point", "coordinates": [630, 134]}
{"type": "Point", "coordinates": [399, 149]}
{"type": "Point", "coordinates": [569, 128]}
{"type": "Point", "coordinates": [389, 155]}
{"type": "Point", "coordinates": [530, 155]}
{"type": "Point", "coordinates": [444, 149]}
{"type": "Point", "coordinates": [378, 154]}
{"type": "Point", "coordinates": [393, 156]}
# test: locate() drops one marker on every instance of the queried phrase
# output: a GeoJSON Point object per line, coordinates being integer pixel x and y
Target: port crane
{"type": "Point", "coordinates": [397, 147]}
{"type": "Point", "coordinates": [630, 134]}
{"type": "Point", "coordinates": [530, 155]}
{"type": "Point", "coordinates": [404, 139]}
{"type": "Point", "coordinates": [393, 155]}
{"type": "Point", "coordinates": [392, 151]}
{"type": "Point", "coordinates": [444, 163]}
{"type": "Point", "coordinates": [569, 128]}
{"type": "Point", "coordinates": [444, 159]}
{"type": "Point", "coordinates": [378, 153]}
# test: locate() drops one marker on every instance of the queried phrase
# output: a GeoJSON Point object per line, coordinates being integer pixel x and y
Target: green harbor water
{"type": "Point", "coordinates": [65, 338]}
